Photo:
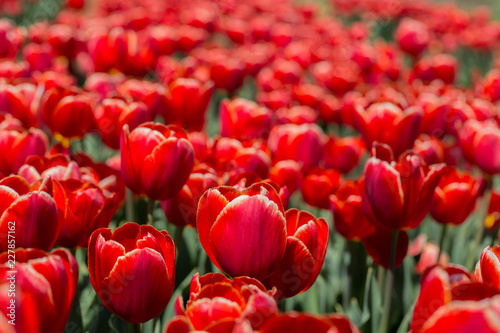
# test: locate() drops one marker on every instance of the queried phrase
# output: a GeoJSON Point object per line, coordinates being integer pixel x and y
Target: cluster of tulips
{"type": "Point", "coordinates": [317, 166]}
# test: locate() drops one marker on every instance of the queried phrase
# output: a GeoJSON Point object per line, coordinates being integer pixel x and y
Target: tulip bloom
{"type": "Point", "coordinates": [45, 286]}
{"type": "Point", "coordinates": [286, 173]}
{"type": "Point", "coordinates": [244, 119]}
{"type": "Point", "coordinates": [488, 268]}
{"type": "Point", "coordinates": [347, 206]}
{"type": "Point", "coordinates": [430, 149]}
{"type": "Point", "coordinates": [112, 114]}
{"type": "Point", "coordinates": [156, 160]}
{"type": "Point", "coordinates": [301, 143]}
{"type": "Point", "coordinates": [455, 197]}
{"type": "Point", "coordinates": [305, 253]}
{"type": "Point", "coordinates": [412, 36]}
{"type": "Point", "coordinates": [220, 304]}
{"type": "Point", "coordinates": [27, 214]}
{"type": "Point", "coordinates": [243, 232]}
{"type": "Point", "coordinates": [68, 113]}
{"type": "Point", "coordinates": [122, 266]}
{"type": "Point", "coordinates": [187, 102]}
{"type": "Point", "coordinates": [343, 154]}
{"type": "Point", "coordinates": [317, 185]}
{"type": "Point", "coordinates": [480, 142]}
{"type": "Point", "coordinates": [443, 289]}
{"type": "Point", "coordinates": [293, 322]}
{"type": "Point", "coordinates": [398, 194]}
{"type": "Point", "coordinates": [387, 123]}
{"type": "Point", "coordinates": [17, 100]}
{"type": "Point", "coordinates": [16, 145]}
{"type": "Point", "coordinates": [181, 209]}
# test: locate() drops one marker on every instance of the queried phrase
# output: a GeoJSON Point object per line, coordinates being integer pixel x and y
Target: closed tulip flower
{"type": "Point", "coordinates": [30, 212]}
{"type": "Point", "coordinates": [399, 194]}
{"type": "Point", "coordinates": [219, 304]}
{"type": "Point", "coordinates": [244, 119]}
{"type": "Point", "coordinates": [286, 173]}
{"type": "Point", "coordinates": [181, 209]}
{"type": "Point", "coordinates": [243, 232]}
{"type": "Point", "coordinates": [304, 255]}
{"type": "Point", "coordinates": [343, 154]}
{"type": "Point", "coordinates": [455, 197]}
{"type": "Point", "coordinates": [412, 36]}
{"type": "Point", "coordinates": [113, 113]}
{"type": "Point", "coordinates": [156, 160]}
{"type": "Point", "coordinates": [301, 143]}
{"type": "Point", "coordinates": [488, 268]}
{"type": "Point", "coordinates": [123, 265]}
{"type": "Point", "coordinates": [45, 286]}
{"type": "Point", "coordinates": [347, 206]}
{"type": "Point", "coordinates": [480, 142]}
{"type": "Point", "coordinates": [387, 123]}
{"type": "Point", "coordinates": [317, 185]}
{"type": "Point", "coordinates": [187, 102]}
{"type": "Point", "coordinates": [17, 145]}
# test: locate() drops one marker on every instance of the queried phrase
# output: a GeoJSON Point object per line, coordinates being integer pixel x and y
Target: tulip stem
{"type": "Point", "coordinates": [481, 217]}
{"type": "Point", "coordinates": [136, 328]}
{"type": "Point", "coordinates": [178, 239]}
{"type": "Point", "coordinates": [389, 283]}
{"type": "Point", "coordinates": [441, 241]}
{"type": "Point", "coordinates": [151, 208]}
{"type": "Point", "coordinates": [129, 205]}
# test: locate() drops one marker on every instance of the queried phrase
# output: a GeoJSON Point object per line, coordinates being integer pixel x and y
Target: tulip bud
{"type": "Point", "coordinates": [156, 160]}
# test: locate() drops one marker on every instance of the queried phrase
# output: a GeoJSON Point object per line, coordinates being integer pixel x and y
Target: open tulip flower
{"type": "Point", "coordinates": [219, 304]}
{"type": "Point", "coordinates": [243, 232]}
{"type": "Point", "coordinates": [305, 253]}
{"type": "Point", "coordinates": [156, 160]}
{"type": "Point", "coordinates": [45, 286]}
{"type": "Point", "coordinates": [455, 197]}
{"type": "Point", "coordinates": [488, 268]}
{"type": "Point", "coordinates": [122, 265]}
{"type": "Point", "coordinates": [398, 194]}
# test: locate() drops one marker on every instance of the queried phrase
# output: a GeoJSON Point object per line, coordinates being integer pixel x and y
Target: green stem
{"type": "Point", "coordinates": [136, 328]}
{"type": "Point", "coordinates": [178, 239]}
{"type": "Point", "coordinates": [441, 241]}
{"type": "Point", "coordinates": [346, 295]}
{"type": "Point", "coordinates": [481, 217]}
{"type": "Point", "coordinates": [129, 206]}
{"type": "Point", "coordinates": [389, 284]}
{"type": "Point", "coordinates": [151, 208]}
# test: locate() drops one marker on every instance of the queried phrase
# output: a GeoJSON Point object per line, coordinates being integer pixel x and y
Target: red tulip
{"type": "Point", "coordinates": [491, 85]}
{"type": "Point", "coordinates": [122, 265]}
{"type": "Point", "coordinates": [317, 185]}
{"type": "Point", "coordinates": [17, 145]}
{"type": "Point", "coordinates": [18, 100]}
{"type": "Point", "coordinates": [28, 216]}
{"type": "Point", "coordinates": [301, 143]}
{"type": "Point", "coordinates": [298, 115]}
{"type": "Point", "coordinates": [294, 322]}
{"type": "Point", "coordinates": [455, 197]}
{"type": "Point", "coordinates": [152, 94]}
{"type": "Point", "coordinates": [181, 209]}
{"type": "Point", "coordinates": [442, 288]}
{"type": "Point", "coordinates": [399, 194]}
{"type": "Point", "coordinates": [187, 102]}
{"type": "Point", "coordinates": [218, 304]}
{"type": "Point", "coordinates": [412, 36]}
{"type": "Point", "coordinates": [244, 119]}
{"type": "Point", "coordinates": [286, 173]}
{"type": "Point", "coordinates": [488, 268]}
{"type": "Point", "coordinates": [45, 286]}
{"type": "Point", "coordinates": [348, 217]}
{"type": "Point", "coordinates": [243, 232]}
{"type": "Point", "coordinates": [304, 255]}
{"type": "Point", "coordinates": [480, 142]}
{"type": "Point", "coordinates": [113, 113]}
{"type": "Point", "coordinates": [386, 123]}
{"type": "Point", "coordinates": [156, 160]}
{"type": "Point", "coordinates": [343, 154]}
{"type": "Point", "coordinates": [430, 149]}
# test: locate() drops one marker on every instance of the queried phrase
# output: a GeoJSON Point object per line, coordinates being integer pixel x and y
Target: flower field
{"type": "Point", "coordinates": [249, 166]}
